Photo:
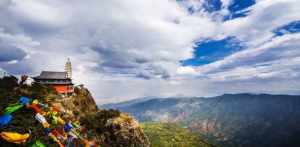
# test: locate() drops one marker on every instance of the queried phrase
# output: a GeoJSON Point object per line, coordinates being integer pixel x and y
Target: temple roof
{"type": "Point", "coordinates": [52, 75]}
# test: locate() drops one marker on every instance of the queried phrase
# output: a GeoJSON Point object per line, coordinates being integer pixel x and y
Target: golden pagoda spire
{"type": "Point", "coordinates": [68, 69]}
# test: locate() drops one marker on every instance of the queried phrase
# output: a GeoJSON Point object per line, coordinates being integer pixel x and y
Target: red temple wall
{"type": "Point", "coordinates": [62, 88]}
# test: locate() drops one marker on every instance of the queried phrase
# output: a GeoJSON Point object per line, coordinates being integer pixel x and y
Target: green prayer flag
{"type": "Point", "coordinates": [11, 109]}
{"type": "Point", "coordinates": [38, 143]}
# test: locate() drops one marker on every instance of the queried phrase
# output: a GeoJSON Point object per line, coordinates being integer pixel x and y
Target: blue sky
{"type": "Point", "coordinates": [209, 51]}
{"type": "Point", "coordinates": [239, 9]}
{"type": "Point", "coordinates": [293, 27]}
{"type": "Point", "coordinates": [128, 49]}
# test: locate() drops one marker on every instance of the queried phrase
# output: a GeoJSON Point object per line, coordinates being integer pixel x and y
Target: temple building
{"type": "Point", "coordinates": [60, 81]}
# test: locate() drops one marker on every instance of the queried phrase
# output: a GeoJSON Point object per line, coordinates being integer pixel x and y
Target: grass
{"type": "Point", "coordinates": [171, 135]}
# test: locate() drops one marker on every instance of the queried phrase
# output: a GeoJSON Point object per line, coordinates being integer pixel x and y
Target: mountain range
{"type": "Point", "coordinates": [230, 120]}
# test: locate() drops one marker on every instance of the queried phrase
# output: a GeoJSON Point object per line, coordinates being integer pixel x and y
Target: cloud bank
{"type": "Point", "coordinates": [127, 49]}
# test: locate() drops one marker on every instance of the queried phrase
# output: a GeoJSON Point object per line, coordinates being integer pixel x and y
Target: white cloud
{"type": "Point", "coordinates": [264, 17]}
{"type": "Point", "coordinates": [245, 64]}
{"type": "Point", "coordinates": [39, 13]}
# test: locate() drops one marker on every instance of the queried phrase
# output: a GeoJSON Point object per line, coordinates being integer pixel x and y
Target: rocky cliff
{"type": "Point", "coordinates": [105, 127]}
